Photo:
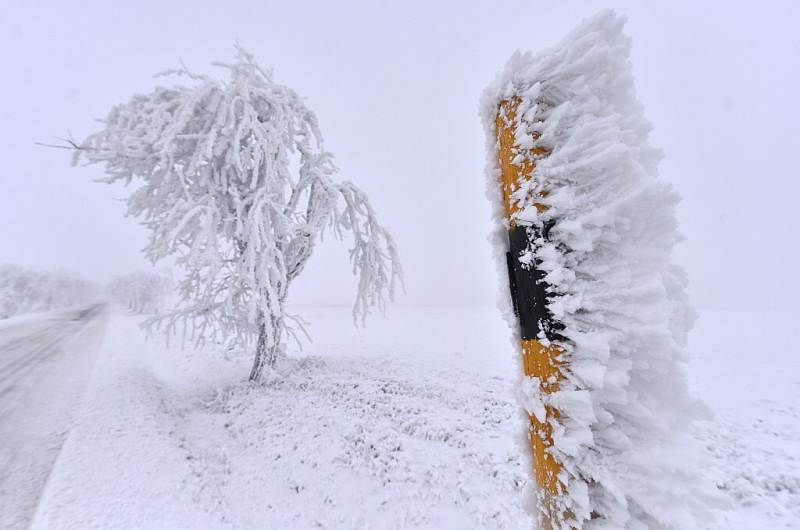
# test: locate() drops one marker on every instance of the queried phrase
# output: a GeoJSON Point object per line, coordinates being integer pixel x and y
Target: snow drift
{"type": "Point", "coordinates": [626, 411]}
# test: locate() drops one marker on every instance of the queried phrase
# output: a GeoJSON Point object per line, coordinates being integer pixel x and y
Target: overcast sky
{"type": "Point", "coordinates": [395, 86]}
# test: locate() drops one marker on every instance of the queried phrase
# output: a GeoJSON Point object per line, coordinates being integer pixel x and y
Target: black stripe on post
{"type": "Point", "coordinates": [528, 289]}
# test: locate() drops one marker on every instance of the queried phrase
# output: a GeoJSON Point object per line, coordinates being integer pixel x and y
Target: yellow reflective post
{"type": "Point", "coordinates": [541, 361]}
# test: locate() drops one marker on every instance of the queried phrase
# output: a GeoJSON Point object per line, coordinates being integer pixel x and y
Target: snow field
{"type": "Point", "coordinates": [409, 423]}
{"type": "Point", "coordinates": [412, 435]}
{"type": "Point", "coordinates": [745, 367]}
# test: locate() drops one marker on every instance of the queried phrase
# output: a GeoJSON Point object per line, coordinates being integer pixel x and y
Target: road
{"type": "Point", "coordinates": [45, 364]}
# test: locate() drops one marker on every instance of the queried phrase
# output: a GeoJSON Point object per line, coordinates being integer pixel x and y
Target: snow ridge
{"type": "Point", "coordinates": [628, 461]}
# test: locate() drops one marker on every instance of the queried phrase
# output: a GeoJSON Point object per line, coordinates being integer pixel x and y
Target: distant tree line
{"type": "Point", "coordinates": [26, 290]}
{"type": "Point", "coordinates": [141, 292]}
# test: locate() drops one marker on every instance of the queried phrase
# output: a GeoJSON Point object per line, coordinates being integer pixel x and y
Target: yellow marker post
{"type": "Point", "coordinates": [539, 360]}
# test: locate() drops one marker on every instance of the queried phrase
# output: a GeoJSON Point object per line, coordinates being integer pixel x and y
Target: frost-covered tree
{"type": "Point", "coordinates": [140, 291]}
{"type": "Point", "coordinates": [233, 180]}
{"type": "Point", "coordinates": [19, 290]}
{"type": "Point", "coordinates": [600, 230]}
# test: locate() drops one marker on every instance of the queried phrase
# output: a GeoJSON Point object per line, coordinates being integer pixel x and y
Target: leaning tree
{"type": "Point", "coordinates": [234, 183]}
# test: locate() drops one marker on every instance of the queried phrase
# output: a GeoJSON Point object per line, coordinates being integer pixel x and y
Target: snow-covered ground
{"type": "Point", "coordinates": [409, 423]}
{"type": "Point", "coordinates": [745, 366]}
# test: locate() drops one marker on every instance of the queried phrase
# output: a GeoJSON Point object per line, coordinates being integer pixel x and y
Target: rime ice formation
{"type": "Point", "coordinates": [627, 458]}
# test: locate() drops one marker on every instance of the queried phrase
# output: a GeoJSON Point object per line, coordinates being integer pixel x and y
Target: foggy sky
{"type": "Point", "coordinates": [395, 87]}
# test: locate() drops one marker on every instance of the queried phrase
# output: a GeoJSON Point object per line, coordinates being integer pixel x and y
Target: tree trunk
{"type": "Point", "coordinates": [266, 346]}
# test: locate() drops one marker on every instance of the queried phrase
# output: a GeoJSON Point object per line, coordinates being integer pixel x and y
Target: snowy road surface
{"type": "Point", "coordinates": [45, 362]}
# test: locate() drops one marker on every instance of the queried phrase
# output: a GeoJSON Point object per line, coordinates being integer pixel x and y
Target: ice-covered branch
{"type": "Point", "coordinates": [374, 254]}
